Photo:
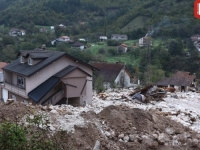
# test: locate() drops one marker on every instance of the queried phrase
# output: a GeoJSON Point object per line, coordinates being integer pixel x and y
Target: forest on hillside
{"type": "Point", "coordinates": [170, 21]}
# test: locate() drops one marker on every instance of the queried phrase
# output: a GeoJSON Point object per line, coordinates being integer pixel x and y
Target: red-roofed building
{"type": "Point", "coordinates": [123, 48]}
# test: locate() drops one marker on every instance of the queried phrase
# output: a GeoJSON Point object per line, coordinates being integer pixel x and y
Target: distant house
{"type": "Point", "coordinates": [52, 28]}
{"type": "Point", "coordinates": [195, 37]}
{"type": "Point", "coordinates": [81, 39]}
{"type": "Point", "coordinates": [123, 48]}
{"type": "Point", "coordinates": [80, 22]}
{"type": "Point", "coordinates": [78, 45]}
{"type": "Point", "coordinates": [62, 25]}
{"type": "Point", "coordinates": [47, 77]}
{"type": "Point", "coordinates": [119, 37]}
{"type": "Point", "coordinates": [180, 81]}
{"type": "Point", "coordinates": [2, 64]}
{"type": "Point", "coordinates": [17, 32]}
{"type": "Point", "coordinates": [196, 40]}
{"type": "Point", "coordinates": [63, 39]}
{"type": "Point", "coordinates": [103, 38]}
{"type": "Point", "coordinates": [43, 30]}
{"type": "Point", "coordinates": [113, 73]}
{"type": "Point", "coordinates": [197, 45]}
{"type": "Point", "coordinates": [145, 41]}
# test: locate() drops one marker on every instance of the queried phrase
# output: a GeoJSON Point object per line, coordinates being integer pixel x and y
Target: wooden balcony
{"type": "Point", "coordinates": [14, 89]}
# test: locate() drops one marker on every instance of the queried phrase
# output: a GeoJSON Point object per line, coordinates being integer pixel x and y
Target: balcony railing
{"type": "Point", "coordinates": [15, 89]}
{"type": "Point", "coordinates": [55, 98]}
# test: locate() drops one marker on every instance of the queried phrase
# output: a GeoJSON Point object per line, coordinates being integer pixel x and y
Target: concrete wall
{"type": "Point", "coordinates": [19, 98]}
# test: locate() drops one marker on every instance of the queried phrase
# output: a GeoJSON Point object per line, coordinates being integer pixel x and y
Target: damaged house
{"type": "Point", "coordinates": [113, 73]}
{"type": "Point", "coordinates": [46, 77]}
{"type": "Point", "coordinates": [181, 81]}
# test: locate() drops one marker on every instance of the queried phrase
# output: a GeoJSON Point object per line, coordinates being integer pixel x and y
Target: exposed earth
{"type": "Point", "coordinates": [115, 121]}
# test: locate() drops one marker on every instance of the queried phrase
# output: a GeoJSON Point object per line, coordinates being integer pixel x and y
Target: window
{"type": "Point", "coordinates": [25, 101]}
{"type": "Point", "coordinates": [30, 61]}
{"type": "Point", "coordinates": [13, 97]}
{"type": "Point", "coordinates": [21, 59]}
{"type": "Point", "coordinates": [20, 82]}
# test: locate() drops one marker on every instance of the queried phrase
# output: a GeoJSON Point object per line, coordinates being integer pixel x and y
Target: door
{"type": "Point", "coordinates": [5, 95]}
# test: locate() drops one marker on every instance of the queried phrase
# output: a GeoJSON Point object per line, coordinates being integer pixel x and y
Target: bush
{"type": "Point", "coordinates": [102, 51]}
{"type": "Point", "coordinates": [113, 43]}
{"type": "Point", "coordinates": [34, 136]}
{"type": "Point", "coordinates": [113, 52]}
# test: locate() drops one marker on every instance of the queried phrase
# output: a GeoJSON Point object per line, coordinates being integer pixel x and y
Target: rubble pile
{"type": "Point", "coordinates": [116, 120]}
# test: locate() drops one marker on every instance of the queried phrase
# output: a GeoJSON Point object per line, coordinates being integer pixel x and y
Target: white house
{"type": "Point", "coordinates": [103, 38]}
{"type": "Point", "coordinates": [63, 39]}
{"type": "Point", "coordinates": [114, 73]}
{"type": "Point", "coordinates": [145, 41]}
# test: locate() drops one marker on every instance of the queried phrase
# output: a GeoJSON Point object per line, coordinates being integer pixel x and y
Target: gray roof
{"type": "Point", "coordinates": [67, 70]}
{"type": "Point", "coordinates": [28, 70]}
{"type": "Point", "coordinates": [180, 78]}
{"type": "Point", "coordinates": [39, 92]}
{"type": "Point", "coordinates": [47, 56]}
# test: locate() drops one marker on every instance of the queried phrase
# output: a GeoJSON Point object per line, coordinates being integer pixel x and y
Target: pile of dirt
{"type": "Point", "coordinates": [119, 127]}
{"type": "Point", "coordinates": [13, 111]}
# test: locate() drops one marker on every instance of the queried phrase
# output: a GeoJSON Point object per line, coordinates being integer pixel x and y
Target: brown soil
{"type": "Point", "coordinates": [114, 127]}
{"type": "Point", "coordinates": [130, 122]}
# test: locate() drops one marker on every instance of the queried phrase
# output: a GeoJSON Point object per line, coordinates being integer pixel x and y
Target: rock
{"type": "Point", "coordinates": [131, 138]}
{"type": "Point", "coordinates": [149, 142]}
{"type": "Point", "coordinates": [53, 111]}
{"type": "Point", "coordinates": [108, 134]}
{"type": "Point", "coordinates": [162, 138]}
{"type": "Point", "coordinates": [9, 101]}
{"type": "Point", "coordinates": [169, 131]}
{"type": "Point", "coordinates": [195, 142]}
{"type": "Point", "coordinates": [154, 145]}
{"type": "Point", "coordinates": [175, 141]}
{"type": "Point", "coordinates": [97, 145]}
{"type": "Point", "coordinates": [193, 119]}
{"type": "Point", "coordinates": [155, 136]}
{"type": "Point", "coordinates": [126, 138]}
{"type": "Point", "coordinates": [121, 136]}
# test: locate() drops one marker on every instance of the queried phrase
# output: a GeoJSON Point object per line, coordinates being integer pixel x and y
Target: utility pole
{"type": "Point", "coordinates": [105, 23]}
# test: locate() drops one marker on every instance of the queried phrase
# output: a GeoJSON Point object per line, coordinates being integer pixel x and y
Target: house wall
{"type": "Point", "coordinates": [126, 78]}
{"type": "Point", "coordinates": [50, 70]}
{"type": "Point", "coordinates": [7, 76]}
{"type": "Point", "coordinates": [19, 98]}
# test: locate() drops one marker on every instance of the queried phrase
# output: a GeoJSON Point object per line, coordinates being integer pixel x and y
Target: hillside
{"type": "Point", "coordinates": [105, 16]}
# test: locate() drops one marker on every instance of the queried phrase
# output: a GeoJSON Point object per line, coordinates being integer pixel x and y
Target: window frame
{"type": "Point", "coordinates": [21, 59]}
{"type": "Point", "coordinates": [22, 84]}
{"type": "Point", "coordinates": [30, 61]}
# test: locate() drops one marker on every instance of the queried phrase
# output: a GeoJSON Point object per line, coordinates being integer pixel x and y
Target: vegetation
{"type": "Point", "coordinates": [33, 136]}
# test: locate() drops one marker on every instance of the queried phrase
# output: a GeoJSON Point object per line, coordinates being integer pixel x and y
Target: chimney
{"type": "Point", "coordinates": [43, 46]}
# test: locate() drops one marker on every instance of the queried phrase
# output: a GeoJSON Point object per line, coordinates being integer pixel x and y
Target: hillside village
{"type": "Point", "coordinates": [103, 75]}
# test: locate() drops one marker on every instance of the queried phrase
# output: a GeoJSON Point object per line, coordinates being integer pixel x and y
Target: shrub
{"type": "Point", "coordinates": [113, 43]}
{"type": "Point", "coordinates": [102, 51]}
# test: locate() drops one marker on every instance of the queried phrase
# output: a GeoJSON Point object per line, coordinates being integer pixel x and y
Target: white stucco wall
{"type": "Point", "coordinates": [126, 78]}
